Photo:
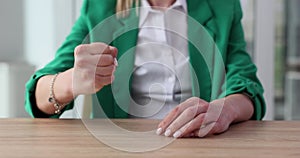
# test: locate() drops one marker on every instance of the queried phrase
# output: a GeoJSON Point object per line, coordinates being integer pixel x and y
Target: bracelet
{"type": "Point", "coordinates": [58, 106]}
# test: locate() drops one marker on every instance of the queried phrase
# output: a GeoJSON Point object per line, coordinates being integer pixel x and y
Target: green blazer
{"type": "Point", "coordinates": [219, 63]}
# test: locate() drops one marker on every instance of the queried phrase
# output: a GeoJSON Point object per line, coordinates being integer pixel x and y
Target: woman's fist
{"type": "Point", "coordinates": [94, 67]}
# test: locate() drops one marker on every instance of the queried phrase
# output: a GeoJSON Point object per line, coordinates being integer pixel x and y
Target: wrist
{"type": "Point", "coordinates": [231, 105]}
{"type": "Point", "coordinates": [63, 87]}
{"type": "Point", "coordinates": [241, 106]}
{"type": "Point", "coordinates": [229, 112]}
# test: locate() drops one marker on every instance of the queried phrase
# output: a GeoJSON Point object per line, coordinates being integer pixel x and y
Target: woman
{"type": "Point", "coordinates": [220, 89]}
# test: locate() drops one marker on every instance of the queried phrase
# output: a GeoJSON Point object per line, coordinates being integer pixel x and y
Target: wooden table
{"type": "Point", "coordinates": [70, 139]}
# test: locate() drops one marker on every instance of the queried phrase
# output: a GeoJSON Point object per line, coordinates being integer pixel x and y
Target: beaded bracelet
{"type": "Point", "coordinates": [52, 98]}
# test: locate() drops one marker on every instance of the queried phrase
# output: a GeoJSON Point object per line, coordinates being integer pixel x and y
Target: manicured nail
{"type": "Point", "coordinates": [116, 62]}
{"type": "Point", "coordinates": [177, 134]}
{"type": "Point", "coordinates": [112, 48]}
{"type": "Point", "coordinates": [159, 131]}
{"type": "Point", "coordinates": [168, 133]}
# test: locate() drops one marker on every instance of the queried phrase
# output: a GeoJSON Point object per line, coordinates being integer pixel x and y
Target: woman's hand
{"type": "Point", "coordinates": [196, 117]}
{"type": "Point", "coordinates": [94, 67]}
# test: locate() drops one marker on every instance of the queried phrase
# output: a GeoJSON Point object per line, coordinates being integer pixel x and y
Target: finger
{"type": "Point", "coordinates": [213, 113]}
{"type": "Point", "coordinates": [91, 49]}
{"type": "Point", "coordinates": [220, 127]}
{"type": "Point", "coordinates": [105, 60]}
{"type": "Point", "coordinates": [94, 61]}
{"type": "Point", "coordinates": [103, 81]}
{"type": "Point", "coordinates": [100, 48]}
{"type": "Point", "coordinates": [216, 129]}
{"type": "Point", "coordinates": [191, 134]}
{"type": "Point", "coordinates": [177, 111]}
{"type": "Point", "coordinates": [105, 71]}
{"type": "Point", "coordinates": [185, 117]}
{"type": "Point", "coordinates": [109, 50]}
{"type": "Point", "coordinates": [85, 61]}
{"type": "Point", "coordinates": [190, 127]}
{"type": "Point", "coordinates": [206, 129]}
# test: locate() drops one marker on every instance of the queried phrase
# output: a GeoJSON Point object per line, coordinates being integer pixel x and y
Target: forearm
{"type": "Point", "coordinates": [62, 89]}
{"type": "Point", "coordinates": [241, 106]}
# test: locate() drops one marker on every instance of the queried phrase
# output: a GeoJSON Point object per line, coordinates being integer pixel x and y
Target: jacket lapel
{"type": "Point", "coordinates": [125, 39]}
{"type": "Point", "coordinates": [201, 34]}
{"type": "Point", "coordinates": [199, 10]}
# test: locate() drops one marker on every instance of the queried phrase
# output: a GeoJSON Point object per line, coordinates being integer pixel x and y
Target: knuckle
{"type": "Point", "coordinates": [80, 49]}
{"type": "Point", "coordinates": [190, 111]}
{"type": "Point", "coordinates": [205, 106]}
{"type": "Point", "coordinates": [200, 118]}
{"type": "Point", "coordinates": [194, 100]}
{"type": "Point", "coordinates": [101, 46]}
{"type": "Point", "coordinates": [176, 111]}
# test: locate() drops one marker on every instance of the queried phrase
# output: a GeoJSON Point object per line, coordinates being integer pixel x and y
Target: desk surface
{"type": "Point", "coordinates": [71, 139]}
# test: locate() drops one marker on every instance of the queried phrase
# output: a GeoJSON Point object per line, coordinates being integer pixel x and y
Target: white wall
{"type": "Point", "coordinates": [13, 77]}
{"type": "Point", "coordinates": [14, 71]}
{"type": "Point", "coordinates": [11, 30]}
{"type": "Point", "coordinates": [264, 50]}
{"type": "Point", "coordinates": [47, 23]}
{"type": "Point", "coordinates": [30, 32]}
{"type": "Point", "coordinates": [39, 31]}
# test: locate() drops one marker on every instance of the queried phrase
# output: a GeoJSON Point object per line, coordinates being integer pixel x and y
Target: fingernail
{"type": "Point", "coordinates": [116, 62]}
{"type": "Point", "coordinates": [159, 131]}
{"type": "Point", "coordinates": [168, 133]}
{"type": "Point", "coordinates": [111, 48]}
{"type": "Point", "coordinates": [177, 134]}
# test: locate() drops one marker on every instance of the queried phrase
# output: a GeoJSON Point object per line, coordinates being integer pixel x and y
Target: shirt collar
{"type": "Point", "coordinates": [146, 8]}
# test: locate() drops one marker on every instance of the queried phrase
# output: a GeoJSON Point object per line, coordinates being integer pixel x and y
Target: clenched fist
{"type": "Point", "coordinates": [94, 67]}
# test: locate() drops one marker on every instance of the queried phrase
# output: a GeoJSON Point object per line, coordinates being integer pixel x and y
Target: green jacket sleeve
{"type": "Point", "coordinates": [64, 60]}
{"type": "Point", "coordinates": [240, 70]}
